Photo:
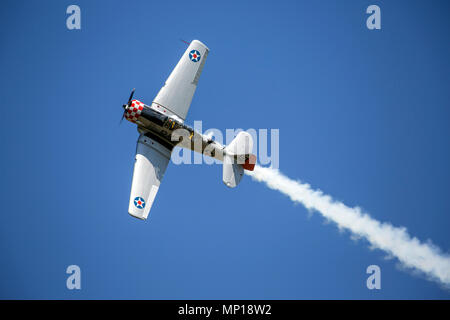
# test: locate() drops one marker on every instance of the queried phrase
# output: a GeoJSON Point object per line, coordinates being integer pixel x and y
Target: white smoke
{"type": "Point", "coordinates": [413, 254]}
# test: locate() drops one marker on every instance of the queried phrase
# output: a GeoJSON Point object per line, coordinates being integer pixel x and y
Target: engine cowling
{"type": "Point", "coordinates": [134, 110]}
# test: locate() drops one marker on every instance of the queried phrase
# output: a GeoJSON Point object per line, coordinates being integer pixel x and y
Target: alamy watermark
{"type": "Point", "coordinates": [266, 145]}
{"type": "Point", "coordinates": [374, 20]}
{"type": "Point", "coordinates": [73, 21]}
{"type": "Point", "coordinates": [74, 280]}
{"type": "Point", "coordinates": [374, 280]}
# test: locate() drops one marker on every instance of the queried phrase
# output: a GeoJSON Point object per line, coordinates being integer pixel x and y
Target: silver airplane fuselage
{"type": "Point", "coordinates": [170, 131]}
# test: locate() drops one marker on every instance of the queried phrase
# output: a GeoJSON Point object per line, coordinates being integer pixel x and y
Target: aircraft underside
{"type": "Point", "coordinates": [161, 127]}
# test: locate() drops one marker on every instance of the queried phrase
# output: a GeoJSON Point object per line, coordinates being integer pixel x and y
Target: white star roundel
{"type": "Point", "coordinates": [194, 55]}
{"type": "Point", "coordinates": [139, 203]}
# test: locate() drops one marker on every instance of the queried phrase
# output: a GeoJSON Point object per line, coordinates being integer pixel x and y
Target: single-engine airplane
{"type": "Point", "coordinates": [161, 127]}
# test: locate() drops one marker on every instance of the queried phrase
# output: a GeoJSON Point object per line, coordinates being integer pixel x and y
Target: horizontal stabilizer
{"type": "Point", "coordinates": [241, 145]}
{"type": "Point", "coordinates": [232, 172]}
{"type": "Point", "coordinates": [237, 157]}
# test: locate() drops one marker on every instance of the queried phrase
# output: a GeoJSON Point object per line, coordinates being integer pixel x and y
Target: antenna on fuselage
{"type": "Point", "coordinates": [188, 43]}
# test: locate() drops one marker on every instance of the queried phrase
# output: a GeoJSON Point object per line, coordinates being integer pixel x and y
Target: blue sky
{"type": "Point", "coordinates": [363, 115]}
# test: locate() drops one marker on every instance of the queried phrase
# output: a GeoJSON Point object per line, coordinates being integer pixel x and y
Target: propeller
{"type": "Point", "coordinates": [125, 106]}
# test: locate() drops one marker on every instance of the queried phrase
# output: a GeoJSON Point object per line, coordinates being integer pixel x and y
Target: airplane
{"type": "Point", "coordinates": [161, 127]}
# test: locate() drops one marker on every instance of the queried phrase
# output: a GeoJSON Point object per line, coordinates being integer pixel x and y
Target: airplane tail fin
{"type": "Point", "coordinates": [237, 158]}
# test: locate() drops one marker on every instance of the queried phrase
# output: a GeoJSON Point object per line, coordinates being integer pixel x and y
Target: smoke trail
{"type": "Point", "coordinates": [413, 254]}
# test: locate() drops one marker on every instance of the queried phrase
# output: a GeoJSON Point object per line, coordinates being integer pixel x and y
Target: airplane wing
{"type": "Point", "coordinates": [176, 94]}
{"type": "Point", "coordinates": [150, 164]}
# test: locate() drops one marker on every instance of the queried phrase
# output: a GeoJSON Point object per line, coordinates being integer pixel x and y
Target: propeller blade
{"type": "Point", "coordinates": [131, 95]}
{"type": "Point", "coordinates": [127, 105]}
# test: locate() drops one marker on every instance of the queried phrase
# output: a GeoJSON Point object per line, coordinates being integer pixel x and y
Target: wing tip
{"type": "Point", "coordinates": [140, 217]}
{"type": "Point", "coordinates": [200, 43]}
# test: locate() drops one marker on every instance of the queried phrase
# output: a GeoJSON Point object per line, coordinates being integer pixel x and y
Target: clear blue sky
{"type": "Point", "coordinates": [363, 115]}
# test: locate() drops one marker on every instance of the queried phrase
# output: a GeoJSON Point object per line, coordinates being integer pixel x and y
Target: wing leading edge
{"type": "Point", "coordinates": [150, 164]}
